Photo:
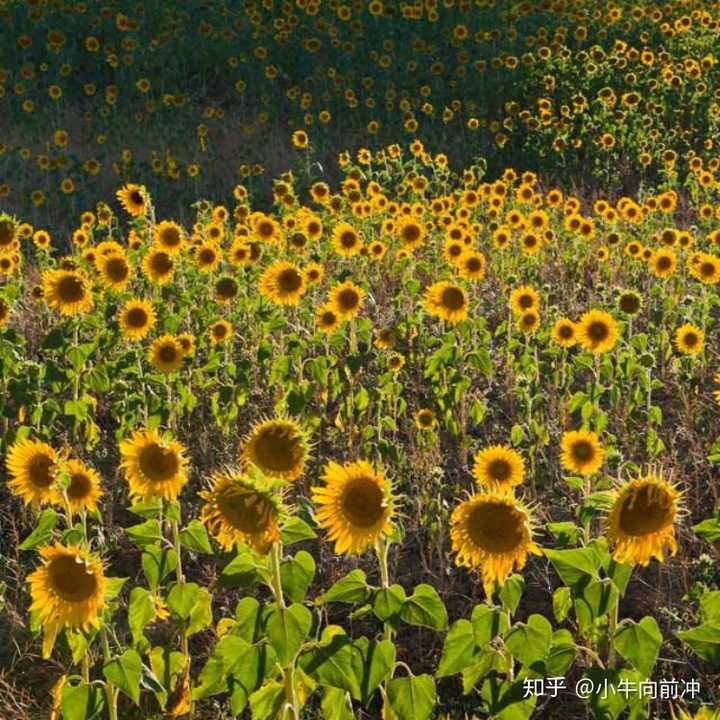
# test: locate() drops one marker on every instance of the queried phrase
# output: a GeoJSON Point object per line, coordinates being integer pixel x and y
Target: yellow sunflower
{"type": "Point", "coordinates": [498, 468]}
{"type": "Point", "coordinates": [582, 452]}
{"type": "Point", "coordinates": [115, 271]}
{"type": "Point", "coordinates": [492, 533]}
{"type": "Point", "coordinates": [166, 354]}
{"type": "Point", "coordinates": [153, 467]}
{"type": "Point", "coordinates": [523, 299]}
{"type": "Point", "coordinates": [226, 289]}
{"type": "Point", "coordinates": [447, 301]}
{"type": "Point", "coordinates": [689, 339]}
{"type": "Point", "coordinates": [136, 318]}
{"type": "Point", "coordinates": [282, 283]}
{"type": "Point", "coordinates": [597, 331]}
{"type": "Point", "coordinates": [134, 199]}
{"type": "Point", "coordinates": [425, 419]}
{"type": "Point", "coordinates": [347, 299]}
{"type": "Point", "coordinates": [663, 263]}
{"type": "Point", "coordinates": [32, 467]}
{"type": "Point", "coordinates": [67, 590]}
{"type": "Point", "coordinates": [354, 505]}
{"type": "Point", "coordinates": [346, 240]}
{"type": "Point", "coordinates": [220, 332]}
{"type": "Point", "coordinates": [5, 311]}
{"type": "Point", "coordinates": [528, 322]}
{"type": "Point", "coordinates": [278, 447]}
{"type": "Point", "coordinates": [187, 342]}
{"type": "Point", "coordinates": [471, 265]}
{"type": "Point", "coordinates": [159, 266]}
{"type": "Point", "coordinates": [169, 236]}
{"type": "Point", "coordinates": [83, 489]}
{"type": "Point", "coordinates": [640, 523]}
{"type": "Point", "coordinates": [385, 338]}
{"type": "Point", "coordinates": [67, 291]}
{"type": "Point", "coordinates": [208, 257]}
{"type": "Point", "coordinates": [314, 273]}
{"type": "Point", "coordinates": [326, 319]}
{"type": "Point", "coordinates": [241, 508]}
{"type": "Point", "coordinates": [564, 333]}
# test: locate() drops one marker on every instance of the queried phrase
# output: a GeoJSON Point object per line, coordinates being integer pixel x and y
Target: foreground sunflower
{"type": "Point", "coordinates": [159, 266]}
{"type": "Point", "coordinates": [498, 468]}
{"type": "Point", "coordinates": [492, 533]}
{"type": "Point", "coordinates": [134, 199]}
{"type": "Point", "coordinates": [32, 467]}
{"type": "Point", "coordinates": [67, 590]}
{"type": "Point", "coordinates": [582, 452]}
{"type": "Point", "coordinates": [282, 283]}
{"type": "Point", "coordinates": [84, 488]}
{"type": "Point", "coordinates": [447, 301]}
{"type": "Point", "coordinates": [240, 507]}
{"type": "Point", "coordinates": [166, 354]}
{"type": "Point", "coordinates": [67, 291]}
{"type": "Point", "coordinates": [346, 299]}
{"type": "Point", "coordinates": [346, 240]}
{"type": "Point", "coordinates": [689, 339]}
{"type": "Point", "coordinates": [136, 318]}
{"type": "Point", "coordinates": [278, 447]}
{"type": "Point", "coordinates": [597, 331]}
{"type": "Point", "coordinates": [153, 467]}
{"type": "Point", "coordinates": [354, 505]}
{"type": "Point", "coordinates": [115, 271]}
{"type": "Point", "coordinates": [640, 523]}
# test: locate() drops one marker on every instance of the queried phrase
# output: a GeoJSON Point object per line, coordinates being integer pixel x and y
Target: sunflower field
{"type": "Point", "coordinates": [359, 359]}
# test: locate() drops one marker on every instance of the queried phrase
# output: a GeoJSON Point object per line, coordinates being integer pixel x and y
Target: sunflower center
{"type": "Point", "coordinates": [690, 339]}
{"type": "Point", "coordinates": [348, 239]}
{"type": "Point", "coordinates": [265, 229]}
{"type": "Point", "coordinates": [363, 502]}
{"type": "Point", "coordinates": [161, 263]}
{"type": "Point", "coordinates": [474, 265]}
{"type": "Point", "coordinates": [499, 469]}
{"type": "Point", "coordinates": [277, 449]}
{"type": "Point", "coordinates": [526, 302]}
{"type": "Point", "coordinates": [72, 579]}
{"type": "Point", "coordinates": [245, 511]}
{"type": "Point", "coordinates": [289, 280]}
{"type": "Point", "coordinates": [170, 237]}
{"type": "Point", "coordinates": [348, 299]}
{"type": "Point", "coordinates": [707, 269]}
{"type": "Point", "coordinates": [582, 451]}
{"type": "Point", "coordinates": [7, 233]}
{"type": "Point", "coordinates": [40, 471]}
{"type": "Point", "coordinates": [116, 269]}
{"type": "Point", "coordinates": [79, 487]}
{"type": "Point", "coordinates": [328, 318]}
{"type": "Point", "coordinates": [664, 263]}
{"type": "Point", "coordinates": [136, 317]}
{"type": "Point", "coordinates": [411, 233]}
{"type": "Point", "coordinates": [495, 527]}
{"type": "Point", "coordinates": [565, 332]}
{"type": "Point", "coordinates": [598, 331]}
{"type": "Point", "coordinates": [71, 289]}
{"type": "Point", "coordinates": [207, 256]}
{"type": "Point", "coordinates": [227, 288]}
{"type": "Point", "coordinates": [646, 511]}
{"type": "Point", "coordinates": [453, 298]}
{"type": "Point", "coordinates": [629, 304]}
{"type": "Point", "coordinates": [219, 331]}
{"type": "Point", "coordinates": [157, 463]}
{"type": "Point", "coordinates": [168, 353]}
{"type": "Point", "coordinates": [137, 198]}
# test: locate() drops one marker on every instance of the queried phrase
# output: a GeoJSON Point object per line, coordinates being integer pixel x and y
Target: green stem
{"type": "Point", "coordinates": [110, 691]}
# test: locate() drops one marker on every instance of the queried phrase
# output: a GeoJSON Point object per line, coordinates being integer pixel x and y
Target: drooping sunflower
{"type": "Point", "coordinates": [136, 318]}
{"type": "Point", "coordinates": [640, 523]}
{"type": "Point", "coordinates": [32, 467]}
{"type": "Point", "coordinates": [354, 505]}
{"type": "Point", "coordinates": [84, 488]}
{"type": "Point", "coordinates": [159, 266]}
{"type": "Point", "coordinates": [597, 331]}
{"type": "Point", "coordinates": [282, 283]}
{"type": "Point", "coordinates": [170, 237]}
{"type": "Point", "coordinates": [523, 299]}
{"type": "Point", "coordinates": [134, 199]}
{"type": "Point", "coordinates": [347, 299]}
{"type": "Point", "coordinates": [241, 507]}
{"type": "Point", "coordinates": [278, 447]}
{"type": "Point", "coordinates": [8, 235]}
{"type": "Point", "coordinates": [67, 590]}
{"type": "Point", "coordinates": [67, 291]}
{"type": "Point", "coordinates": [564, 333]}
{"type": "Point", "coordinates": [492, 533]}
{"type": "Point", "coordinates": [447, 301]}
{"type": "Point", "coordinates": [425, 419]}
{"type": "Point", "coordinates": [115, 271]}
{"type": "Point", "coordinates": [582, 452]}
{"type": "Point", "coordinates": [226, 289]}
{"type": "Point", "coordinates": [152, 466]}
{"type": "Point", "coordinates": [346, 240]}
{"type": "Point", "coordinates": [498, 468]}
{"type": "Point", "coordinates": [689, 339]}
{"type": "Point", "coordinates": [220, 332]}
{"type": "Point", "coordinates": [326, 319]}
{"type": "Point", "coordinates": [166, 354]}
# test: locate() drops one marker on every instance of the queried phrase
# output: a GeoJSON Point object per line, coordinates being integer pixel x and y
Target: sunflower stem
{"type": "Point", "coordinates": [276, 587]}
{"type": "Point", "coordinates": [110, 691]}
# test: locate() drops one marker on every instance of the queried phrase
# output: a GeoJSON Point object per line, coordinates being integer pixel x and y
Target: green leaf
{"type": "Point", "coordinates": [331, 663]}
{"type": "Point", "coordinates": [574, 565]}
{"type": "Point", "coordinates": [114, 587]}
{"type": "Point", "coordinates": [562, 602]}
{"type": "Point", "coordinates": [458, 649]}
{"type": "Point", "coordinates": [565, 533]}
{"type": "Point", "coordinates": [297, 574]}
{"type": "Point", "coordinates": [704, 641]}
{"type": "Point", "coordinates": [42, 534]}
{"type": "Point", "coordinates": [157, 564]}
{"type": "Point", "coordinates": [530, 642]}
{"type": "Point", "coordinates": [352, 588]}
{"type": "Point", "coordinates": [506, 699]}
{"type": "Point", "coordinates": [708, 529]}
{"type": "Point", "coordinates": [182, 598]}
{"type": "Point", "coordinates": [81, 702]}
{"type": "Point", "coordinates": [242, 571]}
{"type": "Point", "coordinates": [296, 530]}
{"type": "Point", "coordinates": [639, 643]}
{"type": "Point", "coordinates": [247, 619]}
{"type": "Point", "coordinates": [201, 613]}
{"type": "Point", "coordinates": [373, 663]}
{"type": "Point", "coordinates": [194, 537]}
{"type": "Point", "coordinates": [286, 629]}
{"type": "Point", "coordinates": [388, 602]}
{"type": "Point", "coordinates": [267, 702]}
{"type": "Point", "coordinates": [124, 672]}
{"type": "Point", "coordinates": [141, 611]}
{"type": "Point", "coordinates": [562, 653]}
{"type": "Point", "coordinates": [147, 533]}
{"type": "Point", "coordinates": [594, 599]}
{"type": "Point", "coordinates": [710, 606]}
{"type": "Point", "coordinates": [167, 665]}
{"type": "Point", "coordinates": [412, 698]}
{"type": "Point", "coordinates": [425, 608]}
{"type": "Point", "coordinates": [511, 592]}
{"type": "Point", "coordinates": [336, 705]}
{"type": "Point", "coordinates": [488, 623]}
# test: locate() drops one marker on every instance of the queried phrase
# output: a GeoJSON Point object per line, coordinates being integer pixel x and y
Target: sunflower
{"type": "Point", "coordinates": [523, 299]}
{"type": "Point", "coordinates": [425, 419]}
{"type": "Point", "coordinates": [226, 289]}
{"type": "Point", "coordinates": [354, 505]}
{"type": "Point", "coordinates": [83, 486]}
{"type": "Point", "coordinates": [385, 338]}
{"type": "Point", "coordinates": [446, 300]}
{"type": "Point", "coordinates": [564, 333]}
{"type": "Point", "coordinates": [240, 507]}
{"type": "Point", "coordinates": [8, 235]}
{"type": "Point", "coordinates": [528, 322]}
{"type": "Point", "coordinates": [115, 271]}
{"type": "Point", "coordinates": [471, 265]}
{"type": "Point", "coordinates": [689, 339]}
{"type": "Point", "coordinates": [169, 236]}
{"type": "Point", "coordinates": [629, 302]}
{"type": "Point", "coordinates": [640, 523]}
{"type": "Point", "coordinates": [410, 233]}
{"type": "Point", "coordinates": [347, 299]}
{"type": "Point", "coordinates": [282, 283]}
{"type": "Point", "coordinates": [277, 447]}
{"type": "Point", "coordinates": [166, 354]}
{"type": "Point", "coordinates": [187, 342]}
{"type": "Point", "coordinates": [67, 291]}
{"type": "Point", "coordinates": [136, 318]}
{"type": "Point", "coordinates": [396, 362]}
{"type": "Point", "coordinates": [32, 467]}
{"type": "Point", "coordinates": [314, 272]}
{"type": "Point", "coordinates": [68, 589]}
{"type": "Point", "coordinates": [499, 468]}
{"type": "Point", "coordinates": [240, 253]}
{"type": "Point", "coordinates": [208, 257]}
{"type": "Point", "coordinates": [582, 452]}
{"type": "Point", "coordinates": [4, 312]}
{"type": "Point", "coordinates": [220, 332]}
{"type": "Point", "coordinates": [159, 266]}
{"type": "Point", "coordinates": [346, 240]}
{"type": "Point", "coordinates": [153, 467]}
{"type": "Point", "coordinates": [134, 199]}
{"type": "Point", "coordinates": [663, 263]}
{"type": "Point", "coordinates": [326, 319]}
{"type": "Point", "coordinates": [377, 250]}
{"type": "Point", "coordinates": [492, 533]}
{"type": "Point", "coordinates": [597, 331]}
